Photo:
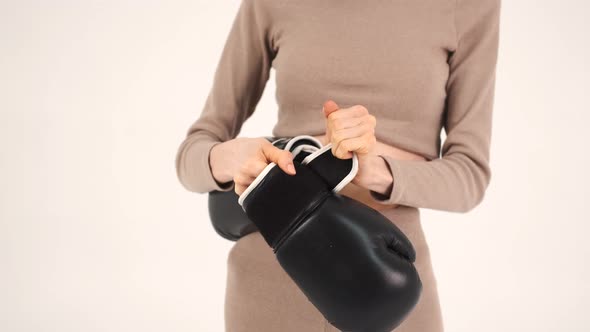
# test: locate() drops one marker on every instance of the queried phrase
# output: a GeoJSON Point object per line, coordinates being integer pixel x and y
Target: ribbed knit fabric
{"type": "Point", "coordinates": [419, 66]}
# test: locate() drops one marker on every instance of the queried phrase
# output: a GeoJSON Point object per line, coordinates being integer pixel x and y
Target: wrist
{"type": "Point", "coordinates": [219, 164]}
{"type": "Point", "coordinates": [380, 179]}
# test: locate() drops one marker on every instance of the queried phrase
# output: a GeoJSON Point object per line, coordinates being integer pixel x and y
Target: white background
{"type": "Point", "coordinates": [96, 233]}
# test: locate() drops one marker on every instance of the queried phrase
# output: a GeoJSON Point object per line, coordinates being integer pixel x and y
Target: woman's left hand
{"type": "Point", "coordinates": [353, 130]}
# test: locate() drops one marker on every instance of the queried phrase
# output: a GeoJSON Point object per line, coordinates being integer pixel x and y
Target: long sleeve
{"type": "Point", "coordinates": [239, 81]}
{"type": "Point", "coordinates": [457, 181]}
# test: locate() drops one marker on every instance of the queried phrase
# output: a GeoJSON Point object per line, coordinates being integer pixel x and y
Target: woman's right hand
{"type": "Point", "coordinates": [242, 159]}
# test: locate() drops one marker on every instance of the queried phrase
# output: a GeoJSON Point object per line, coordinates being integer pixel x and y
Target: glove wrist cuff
{"type": "Point", "coordinates": [278, 202]}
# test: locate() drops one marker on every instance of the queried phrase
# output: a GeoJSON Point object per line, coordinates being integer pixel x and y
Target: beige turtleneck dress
{"type": "Point", "coordinates": [419, 67]}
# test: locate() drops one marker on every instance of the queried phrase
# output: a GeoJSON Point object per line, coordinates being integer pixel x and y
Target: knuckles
{"type": "Point", "coordinates": [337, 137]}
{"type": "Point", "coordinates": [338, 121]}
{"type": "Point", "coordinates": [360, 109]}
{"type": "Point", "coordinates": [239, 179]}
{"type": "Point", "coordinates": [247, 167]}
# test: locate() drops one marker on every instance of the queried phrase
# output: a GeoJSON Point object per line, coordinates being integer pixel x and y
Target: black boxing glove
{"type": "Point", "coordinates": [227, 216]}
{"type": "Point", "coordinates": [353, 264]}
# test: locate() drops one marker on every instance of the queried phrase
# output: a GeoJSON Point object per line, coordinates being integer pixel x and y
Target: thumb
{"type": "Point", "coordinates": [330, 107]}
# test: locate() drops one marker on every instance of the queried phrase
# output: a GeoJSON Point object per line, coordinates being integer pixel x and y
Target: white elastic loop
{"type": "Point", "coordinates": [348, 178]}
{"type": "Point", "coordinates": [302, 137]}
{"type": "Point", "coordinates": [304, 148]}
{"type": "Point", "coordinates": [315, 151]}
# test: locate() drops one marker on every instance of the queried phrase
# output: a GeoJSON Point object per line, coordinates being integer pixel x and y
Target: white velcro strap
{"type": "Point", "coordinates": [304, 148]}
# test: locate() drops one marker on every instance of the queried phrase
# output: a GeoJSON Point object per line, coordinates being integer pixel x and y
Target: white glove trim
{"type": "Point", "coordinates": [255, 183]}
{"type": "Point", "coordinates": [300, 137]}
{"type": "Point", "coordinates": [315, 151]}
{"type": "Point", "coordinates": [258, 179]}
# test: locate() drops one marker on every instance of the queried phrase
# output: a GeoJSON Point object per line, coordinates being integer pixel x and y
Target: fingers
{"type": "Point", "coordinates": [283, 158]}
{"type": "Point", "coordinates": [362, 144]}
{"type": "Point", "coordinates": [247, 173]}
{"type": "Point", "coordinates": [330, 107]}
{"type": "Point", "coordinates": [361, 135]}
{"type": "Point", "coordinates": [339, 118]}
{"type": "Point", "coordinates": [351, 112]}
{"type": "Point", "coordinates": [349, 129]}
{"type": "Point", "coordinates": [366, 123]}
{"type": "Point", "coordinates": [343, 123]}
{"type": "Point", "coordinates": [267, 154]}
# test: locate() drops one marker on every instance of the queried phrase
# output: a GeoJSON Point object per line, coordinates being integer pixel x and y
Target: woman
{"type": "Point", "coordinates": [378, 78]}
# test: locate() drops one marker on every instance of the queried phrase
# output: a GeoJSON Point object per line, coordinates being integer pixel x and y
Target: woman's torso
{"type": "Point", "coordinates": [389, 56]}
